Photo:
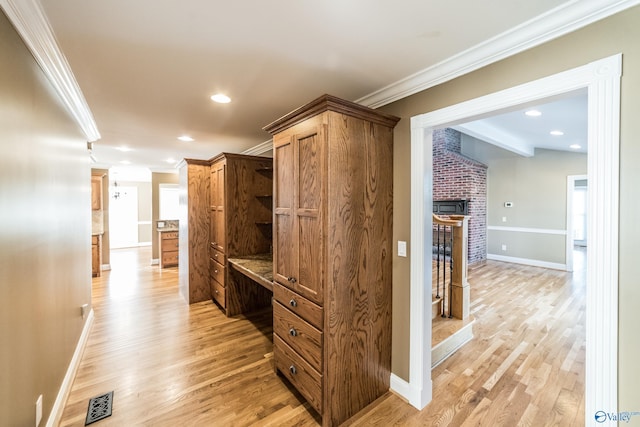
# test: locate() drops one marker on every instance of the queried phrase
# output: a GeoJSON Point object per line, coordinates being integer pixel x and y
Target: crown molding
{"type": "Point", "coordinates": [259, 149]}
{"type": "Point", "coordinates": [32, 25]}
{"type": "Point", "coordinates": [557, 22]}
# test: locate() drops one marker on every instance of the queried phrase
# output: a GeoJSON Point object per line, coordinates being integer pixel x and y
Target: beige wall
{"type": "Point", "coordinates": [45, 237]}
{"type": "Point", "coordinates": [158, 178]}
{"type": "Point", "coordinates": [537, 187]}
{"type": "Point", "coordinates": [617, 34]}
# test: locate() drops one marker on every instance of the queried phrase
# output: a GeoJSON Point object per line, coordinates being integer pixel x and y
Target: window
{"type": "Point", "coordinates": [169, 201]}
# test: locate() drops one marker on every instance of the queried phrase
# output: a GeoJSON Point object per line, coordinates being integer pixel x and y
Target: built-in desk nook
{"type": "Point", "coordinates": [307, 232]}
{"type": "Point", "coordinates": [258, 268]}
{"type": "Point", "coordinates": [240, 235]}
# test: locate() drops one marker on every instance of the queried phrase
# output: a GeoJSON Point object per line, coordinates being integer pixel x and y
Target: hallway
{"type": "Point", "coordinates": [170, 364]}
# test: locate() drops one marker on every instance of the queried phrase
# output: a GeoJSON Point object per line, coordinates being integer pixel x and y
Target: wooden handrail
{"type": "Point", "coordinates": [455, 222]}
{"type": "Point", "coordinates": [459, 287]}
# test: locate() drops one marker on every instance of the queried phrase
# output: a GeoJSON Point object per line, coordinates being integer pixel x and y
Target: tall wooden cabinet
{"type": "Point", "coordinates": [332, 249]}
{"type": "Point", "coordinates": [240, 224]}
{"type": "Point", "coordinates": [193, 236]}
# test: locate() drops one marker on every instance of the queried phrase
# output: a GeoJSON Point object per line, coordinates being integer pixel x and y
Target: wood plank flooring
{"type": "Point", "coordinates": [172, 364]}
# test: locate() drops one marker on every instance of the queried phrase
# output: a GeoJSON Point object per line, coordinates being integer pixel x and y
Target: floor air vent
{"type": "Point", "coordinates": [99, 408]}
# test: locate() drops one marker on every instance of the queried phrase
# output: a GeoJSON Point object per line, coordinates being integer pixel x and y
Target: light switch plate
{"type": "Point", "coordinates": [402, 248]}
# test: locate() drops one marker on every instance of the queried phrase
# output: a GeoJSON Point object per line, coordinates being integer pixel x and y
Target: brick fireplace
{"type": "Point", "coordinates": [457, 177]}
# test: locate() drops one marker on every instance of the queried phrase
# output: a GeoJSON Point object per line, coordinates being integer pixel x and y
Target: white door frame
{"type": "Point", "coordinates": [601, 79]}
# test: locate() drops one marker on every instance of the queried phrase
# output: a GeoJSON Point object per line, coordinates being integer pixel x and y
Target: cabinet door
{"type": "Point", "coordinates": [217, 206]}
{"type": "Point", "coordinates": [96, 193]}
{"type": "Point", "coordinates": [284, 246]}
{"type": "Point", "coordinates": [95, 259]}
{"type": "Point", "coordinates": [300, 176]}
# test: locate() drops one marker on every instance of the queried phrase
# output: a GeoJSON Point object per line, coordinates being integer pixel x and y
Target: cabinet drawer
{"type": "Point", "coordinates": [169, 235]}
{"type": "Point", "coordinates": [169, 245]}
{"type": "Point", "coordinates": [306, 379]}
{"type": "Point", "coordinates": [218, 293]}
{"type": "Point", "coordinates": [169, 258]}
{"type": "Point", "coordinates": [300, 335]}
{"type": "Point", "coordinates": [216, 255]}
{"type": "Point", "coordinates": [216, 271]}
{"type": "Point", "coordinates": [309, 311]}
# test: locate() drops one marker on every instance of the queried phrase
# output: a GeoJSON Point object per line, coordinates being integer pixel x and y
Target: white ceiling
{"type": "Point", "coordinates": [515, 131]}
{"type": "Point", "coordinates": [147, 68]}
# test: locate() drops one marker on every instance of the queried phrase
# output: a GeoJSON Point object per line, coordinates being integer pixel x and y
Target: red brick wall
{"type": "Point", "coordinates": [458, 177]}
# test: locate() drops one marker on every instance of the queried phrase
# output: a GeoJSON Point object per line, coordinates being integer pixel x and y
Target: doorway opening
{"type": "Point", "coordinates": [601, 79]}
{"type": "Point", "coordinates": [123, 216]}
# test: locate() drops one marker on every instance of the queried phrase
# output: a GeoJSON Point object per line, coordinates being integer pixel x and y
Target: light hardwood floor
{"type": "Point", "coordinates": [172, 364]}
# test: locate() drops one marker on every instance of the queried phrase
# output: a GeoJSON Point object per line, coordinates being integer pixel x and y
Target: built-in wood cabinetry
{"type": "Point", "coordinates": [96, 192]}
{"type": "Point", "coordinates": [193, 273]}
{"type": "Point", "coordinates": [332, 249]}
{"type": "Point", "coordinates": [240, 225]}
{"type": "Point", "coordinates": [96, 255]}
{"type": "Point", "coordinates": [169, 245]}
{"type": "Point", "coordinates": [96, 225]}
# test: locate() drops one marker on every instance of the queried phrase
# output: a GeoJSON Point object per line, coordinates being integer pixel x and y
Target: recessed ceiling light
{"type": "Point", "coordinates": [533, 113]}
{"type": "Point", "coordinates": [556, 133]}
{"type": "Point", "coordinates": [221, 98]}
{"type": "Point", "coordinates": [123, 148]}
{"type": "Point", "coordinates": [575, 146]}
{"type": "Point", "coordinates": [186, 138]}
{"type": "Point", "coordinates": [171, 160]}
{"type": "Point", "coordinates": [125, 162]}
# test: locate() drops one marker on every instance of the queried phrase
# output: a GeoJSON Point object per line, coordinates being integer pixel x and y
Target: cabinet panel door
{"type": "Point", "coordinates": [284, 245]}
{"type": "Point", "coordinates": [309, 229]}
{"type": "Point", "coordinates": [217, 206]}
{"type": "Point", "coordinates": [96, 193]}
{"type": "Point", "coordinates": [299, 168]}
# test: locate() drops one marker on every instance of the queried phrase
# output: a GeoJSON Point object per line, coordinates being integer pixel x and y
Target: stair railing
{"type": "Point", "coordinates": [452, 247]}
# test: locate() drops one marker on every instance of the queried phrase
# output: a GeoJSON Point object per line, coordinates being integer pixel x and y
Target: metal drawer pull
{"type": "Point", "coordinates": [293, 303]}
{"type": "Point", "coordinates": [293, 332]}
{"type": "Point", "coordinates": [215, 271]}
{"type": "Point", "coordinates": [292, 279]}
{"type": "Point", "coordinates": [293, 370]}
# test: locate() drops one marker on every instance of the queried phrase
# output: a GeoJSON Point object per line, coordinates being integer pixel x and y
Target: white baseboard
{"type": "Point", "coordinates": [105, 267]}
{"type": "Point", "coordinates": [400, 387]}
{"type": "Point", "coordinates": [416, 397]}
{"type": "Point", "coordinates": [155, 261]}
{"type": "Point", "coordinates": [65, 388]}
{"type": "Point", "coordinates": [526, 261]}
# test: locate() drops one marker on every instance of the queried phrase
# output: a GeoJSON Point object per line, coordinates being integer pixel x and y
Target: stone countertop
{"type": "Point", "coordinates": [167, 229]}
{"type": "Point", "coordinates": [257, 267]}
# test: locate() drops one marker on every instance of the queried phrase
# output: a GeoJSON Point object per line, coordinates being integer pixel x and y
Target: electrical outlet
{"type": "Point", "coordinates": [504, 219]}
{"type": "Point", "coordinates": [38, 410]}
{"type": "Point", "coordinates": [504, 247]}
